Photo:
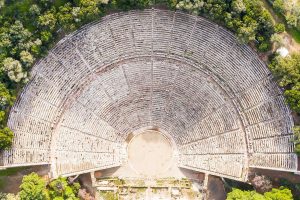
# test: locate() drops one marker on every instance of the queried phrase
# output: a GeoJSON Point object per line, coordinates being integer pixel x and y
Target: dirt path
{"type": "Point", "coordinates": [288, 40]}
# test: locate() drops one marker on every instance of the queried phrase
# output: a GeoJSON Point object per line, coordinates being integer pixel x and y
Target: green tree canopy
{"type": "Point", "coordinates": [6, 136]}
{"type": "Point", "coordinates": [287, 72]}
{"type": "Point", "coordinates": [33, 187]}
{"type": "Point", "coordinates": [60, 189]}
{"type": "Point", "coordinates": [276, 194]}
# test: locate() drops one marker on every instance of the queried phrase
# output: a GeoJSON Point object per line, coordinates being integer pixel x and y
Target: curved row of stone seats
{"type": "Point", "coordinates": [274, 144]}
{"type": "Point", "coordinates": [72, 162]}
{"type": "Point", "coordinates": [232, 165]}
{"type": "Point", "coordinates": [30, 124]}
{"type": "Point", "coordinates": [162, 31]}
{"type": "Point", "coordinates": [114, 83]}
{"type": "Point", "coordinates": [142, 31]}
{"type": "Point", "coordinates": [139, 78]}
{"type": "Point", "coordinates": [31, 141]}
{"type": "Point", "coordinates": [267, 110]}
{"type": "Point", "coordinates": [270, 128]}
{"type": "Point", "coordinates": [72, 140]}
{"type": "Point", "coordinates": [121, 30]}
{"type": "Point", "coordinates": [80, 118]}
{"type": "Point", "coordinates": [280, 161]}
{"type": "Point", "coordinates": [33, 106]}
{"type": "Point", "coordinates": [231, 142]}
{"type": "Point", "coordinates": [261, 91]}
{"type": "Point", "coordinates": [182, 28]}
{"type": "Point", "coordinates": [24, 156]}
{"type": "Point", "coordinates": [224, 116]}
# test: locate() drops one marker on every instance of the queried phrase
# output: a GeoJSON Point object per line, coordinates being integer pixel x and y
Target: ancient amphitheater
{"type": "Point", "coordinates": [153, 70]}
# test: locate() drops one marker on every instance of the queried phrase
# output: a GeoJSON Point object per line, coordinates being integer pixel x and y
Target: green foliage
{"type": "Point", "coordinates": [6, 136]}
{"type": "Point", "coordinates": [47, 20]}
{"type": "Point", "coordinates": [279, 194]}
{"type": "Point", "coordinates": [290, 9]}
{"type": "Point", "coordinates": [131, 4]}
{"type": "Point", "coordinates": [279, 28]}
{"type": "Point", "coordinates": [12, 197]}
{"type": "Point", "coordinates": [237, 194]}
{"type": "Point", "coordinates": [192, 6]}
{"type": "Point", "coordinates": [287, 72]}
{"type": "Point", "coordinates": [297, 139]}
{"type": "Point", "coordinates": [247, 18]}
{"type": "Point", "coordinates": [60, 189]}
{"type": "Point", "coordinates": [275, 194]}
{"type": "Point", "coordinates": [33, 187]}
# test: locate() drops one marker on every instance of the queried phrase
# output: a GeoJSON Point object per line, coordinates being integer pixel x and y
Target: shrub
{"type": "Point", "coordinates": [6, 136]}
{"type": "Point", "coordinates": [279, 28]}
{"type": "Point", "coordinates": [33, 187]}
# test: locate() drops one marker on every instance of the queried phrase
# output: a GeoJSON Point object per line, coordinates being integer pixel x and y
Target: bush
{"type": "Point", "coordinates": [33, 187]}
{"type": "Point", "coordinates": [61, 189]}
{"type": "Point", "coordinates": [276, 194]}
{"type": "Point", "coordinates": [6, 136]}
{"type": "Point", "coordinates": [279, 28]}
{"type": "Point", "coordinates": [263, 47]}
{"type": "Point", "coordinates": [287, 72]}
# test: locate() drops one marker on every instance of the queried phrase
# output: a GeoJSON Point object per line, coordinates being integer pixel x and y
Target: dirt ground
{"type": "Point", "coordinates": [275, 175]}
{"type": "Point", "coordinates": [215, 188]}
{"type": "Point", "coordinates": [12, 182]}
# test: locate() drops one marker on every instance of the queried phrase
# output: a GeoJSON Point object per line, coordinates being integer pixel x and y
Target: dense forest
{"type": "Point", "coordinates": [29, 28]}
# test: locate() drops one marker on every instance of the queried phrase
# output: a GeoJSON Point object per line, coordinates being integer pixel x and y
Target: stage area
{"type": "Point", "coordinates": [150, 153]}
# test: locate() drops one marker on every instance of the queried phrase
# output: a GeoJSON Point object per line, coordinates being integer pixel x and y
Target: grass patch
{"type": "Point", "coordinates": [2, 183]}
{"type": "Point", "coordinates": [11, 171]}
{"type": "Point", "coordinates": [295, 34]}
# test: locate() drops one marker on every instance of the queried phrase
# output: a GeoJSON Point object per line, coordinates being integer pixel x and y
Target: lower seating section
{"type": "Point", "coordinates": [23, 156]}
{"type": "Point", "coordinates": [280, 161]}
{"type": "Point", "coordinates": [153, 68]}
{"type": "Point", "coordinates": [69, 162]}
{"type": "Point", "coordinates": [232, 165]}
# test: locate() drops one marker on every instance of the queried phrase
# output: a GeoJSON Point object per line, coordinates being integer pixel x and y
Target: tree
{"type": "Point", "coordinates": [88, 10]}
{"type": "Point", "coordinates": [66, 17]}
{"type": "Point", "coordinates": [277, 40]}
{"type": "Point", "coordinates": [61, 189]}
{"type": "Point", "coordinates": [48, 20]}
{"type": "Point", "coordinates": [279, 194]}
{"type": "Point", "coordinates": [293, 98]}
{"type": "Point", "coordinates": [6, 99]}
{"type": "Point", "coordinates": [246, 32]}
{"type": "Point", "coordinates": [6, 136]}
{"type": "Point", "coordinates": [26, 58]}
{"type": "Point", "coordinates": [296, 130]}
{"type": "Point", "coordinates": [34, 10]}
{"type": "Point", "coordinates": [11, 196]}
{"type": "Point", "coordinates": [279, 28]}
{"type": "Point", "coordinates": [276, 194]}
{"type": "Point", "coordinates": [14, 69]}
{"type": "Point", "coordinates": [238, 6]}
{"type": "Point", "coordinates": [278, 6]}
{"type": "Point", "coordinates": [287, 72]}
{"type": "Point", "coordinates": [238, 194]}
{"type": "Point", "coordinates": [33, 187]}
{"type": "Point", "coordinates": [191, 6]}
